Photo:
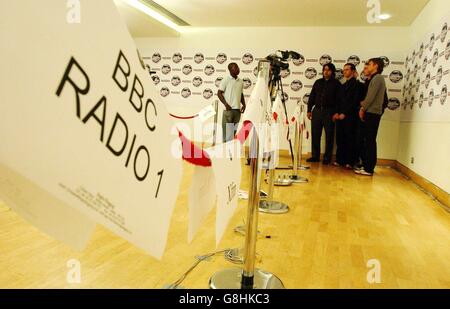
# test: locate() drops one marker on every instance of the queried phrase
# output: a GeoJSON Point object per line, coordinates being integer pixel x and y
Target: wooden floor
{"type": "Point", "coordinates": [337, 223]}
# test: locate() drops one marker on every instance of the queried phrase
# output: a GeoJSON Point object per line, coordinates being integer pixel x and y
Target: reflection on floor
{"type": "Point", "coordinates": [337, 223]}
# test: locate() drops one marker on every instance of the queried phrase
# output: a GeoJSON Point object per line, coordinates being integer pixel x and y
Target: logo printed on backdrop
{"type": "Point", "coordinates": [432, 40]}
{"type": "Point", "coordinates": [175, 81]}
{"type": "Point", "coordinates": [393, 104]}
{"type": "Point", "coordinates": [246, 82]}
{"type": "Point", "coordinates": [439, 75]}
{"type": "Point", "coordinates": [156, 57]}
{"type": "Point", "coordinates": [218, 81]}
{"type": "Point", "coordinates": [207, 93]}
{"type": "Point", "coordinates": [221, 58]}
{"type": "Point", "coordinates": [427, 80]}
{"type": "Point", "coordinates": [396, 76]}
{"type": "Point", "coordinates": [247, 58]}
{"type": "Point", "coordinates": [435, 57]}
{"type": "Point", "coordinates": [325, 59]}
{"type": "Point", "coordinates": [285, 96]}
{"type": "Point", "coordinates": [444, 94]}
{"type": "Point", "coordinates": [405, 103]}
{"type": "Point", "coordinates": [339, 74]}
{"type": "Point", "coordinates": [296, 85]}
{"type": "Point", "coordinates": [305, 98]}
{"type": "Point", "coordinates": [209, 70]}
{"type": "Point", "coordinates": [186, 92]}
{"type": "Point", "coordinates": [444, 32]}
{"type": "Point", "coordinates": [421, 100]}
{"type": "Point", "coordinates": [177, 57]}
{"type": "Point", "coordinates": [354, 60]}
{"type": "Point", "coordinates": [299, 61]}
{"type": "Point", "coordinates": [447, 50]}
{"type": "Point", "coordinates": [410, 87]}
{"type": "Point", "coordinates": [187, 69]}
{"type": "Point", "coordinates": [197, 81]}
{"type": "Point", "coordinates": [412, 102]}
{"type": "Point", "coordinates": [413, 58]}
{"type": "Point", "coordinates": [165, 69]}
{"type": "Point", "coordinates": [255, 71]}
{"type": "Point", "coordinates": [421, 51]}
{"type": "Point", "coordinates": [386, 61]}
{"type": "Point", "coordinates": [155, 79]}
{"type": "Point", "coordinates": [164, 92]}
{"type": "Point", "coordinates": [198, 58]}
{"type": "Point", "coordinates": [431, 97]}
{"type": "Point", "coordinates": [425, 64]}
{"type": "Point", "coordinates": [310, 73]}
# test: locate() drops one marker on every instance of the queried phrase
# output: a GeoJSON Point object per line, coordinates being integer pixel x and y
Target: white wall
{"type": "Point", "coordinates": [340, 42]}
{"type": "Point", "coordinates": [428, 142]}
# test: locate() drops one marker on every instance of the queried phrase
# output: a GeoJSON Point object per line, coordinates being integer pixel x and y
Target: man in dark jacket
{"type": "Point", "coordinates": [322, 105]}
{"type": "Point", "coordinates": [347, 118]}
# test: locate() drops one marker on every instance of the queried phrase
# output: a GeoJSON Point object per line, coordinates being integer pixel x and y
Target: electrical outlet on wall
{"type": "Point", "coordinates": [412, 160]}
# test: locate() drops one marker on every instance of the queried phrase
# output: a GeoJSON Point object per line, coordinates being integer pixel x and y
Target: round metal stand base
{"type": "Point", "coordinates": [235, 256]}
{"type": "Point", "coordinates": [282, 181]}
{"type": "Point", "coordinates": [231, 279]}
{"type": "Point", "coordinates": [273, 207]}
{"type": "Point", "coordinates": [298, 179]}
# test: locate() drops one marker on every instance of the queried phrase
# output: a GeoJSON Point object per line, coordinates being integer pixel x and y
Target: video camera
{"type": "Point", "coordinates": [279, 63]}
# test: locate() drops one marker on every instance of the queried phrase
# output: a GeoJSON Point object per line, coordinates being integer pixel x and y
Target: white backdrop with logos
{"type": "Point", "coordinates": [426, 96]}
{"type": "Point", "coordinates": [188, 79]}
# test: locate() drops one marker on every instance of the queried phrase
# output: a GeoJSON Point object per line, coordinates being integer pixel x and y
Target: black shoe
{"type": "Point", "coordinates": [326, 162]}
{"type": "Point", "coordinates": [312, 160]}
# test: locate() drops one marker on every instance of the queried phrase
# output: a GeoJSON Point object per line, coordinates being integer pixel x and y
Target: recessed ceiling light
{"type": "Point", "coordinates": [153, 13]}
{"type": "Point", "coordinates": [384, 16]}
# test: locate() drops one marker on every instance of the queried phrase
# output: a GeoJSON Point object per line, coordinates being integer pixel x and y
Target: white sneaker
{"type": "Point", "coordinates": [364, 173]}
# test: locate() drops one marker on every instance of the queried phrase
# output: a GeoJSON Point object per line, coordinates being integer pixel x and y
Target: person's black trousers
{"type": "Point", "coordinates": [359, 146]}
{"type": "Point", "coordinates": [346, 140]}
{"type": "Point", "coordinates": [322, 118]}
{"type": "Point", "coordinates": [371, 124]}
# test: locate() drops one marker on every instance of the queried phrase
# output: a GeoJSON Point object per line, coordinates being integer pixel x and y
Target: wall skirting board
{"type": "Point", "coordinates": [438, 193]}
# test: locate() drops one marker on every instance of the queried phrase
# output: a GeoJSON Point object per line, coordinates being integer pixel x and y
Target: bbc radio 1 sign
{"type": "Point", "coordinates": [81, 120]}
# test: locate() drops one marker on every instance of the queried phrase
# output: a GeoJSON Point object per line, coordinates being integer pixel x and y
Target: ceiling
{"type": "Point", "coordinates": [272, 13]}
{"type": "Point", "coordinates": [141, 25]}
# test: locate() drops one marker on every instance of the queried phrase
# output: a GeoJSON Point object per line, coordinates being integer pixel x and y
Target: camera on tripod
{"type": "Point", "coordinates": [280, 62]}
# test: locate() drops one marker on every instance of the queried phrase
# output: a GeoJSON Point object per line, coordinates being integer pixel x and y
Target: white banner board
{"type": "Point", "coordinates": [226, 166]}
{"type": "Point", "coordinates": [81, 119]}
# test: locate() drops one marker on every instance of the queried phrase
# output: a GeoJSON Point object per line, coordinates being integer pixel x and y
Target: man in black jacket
{"type": "Point", "coordinates": [347, 118]}
{"type": "Point", "coordinates": [322, 106]}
